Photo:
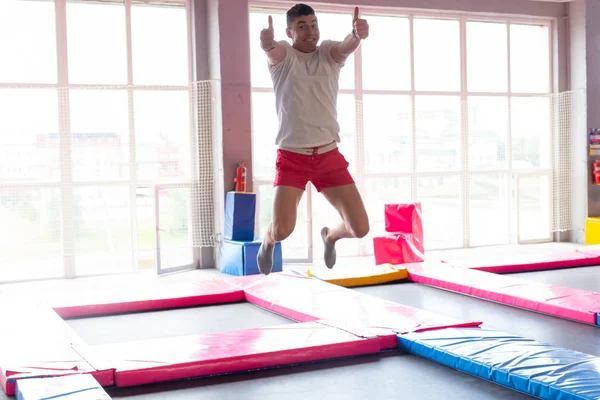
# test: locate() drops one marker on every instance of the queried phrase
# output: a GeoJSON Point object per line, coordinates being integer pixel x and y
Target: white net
{"type": "Point", "coordinates": [96, 179]}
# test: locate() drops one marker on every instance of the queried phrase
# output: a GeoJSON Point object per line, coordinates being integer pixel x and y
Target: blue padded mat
{"type": "Point", "coordinates": [522, 364]}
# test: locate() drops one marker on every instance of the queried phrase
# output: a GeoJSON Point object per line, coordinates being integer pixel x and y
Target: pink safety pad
{"type": "Point", "coordinates": [145, 297]}
{"type": "Point", "coordinates": [574, 304]}
{"type": "Point", "coordinates": [226, 352]}
{"type": "Point", "coordinates": [593, 250]}
{"type": "Point", "coordinates": [304, 299]}
{"type": "Point", "coordinates": [504, 264]}
{"type": "Point", "coordinates": [38, 343]}
{"type": "Point", "coordinates": [340, 322]}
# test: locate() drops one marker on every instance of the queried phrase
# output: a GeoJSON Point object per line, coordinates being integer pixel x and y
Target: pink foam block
{"type": "Point", "coordinates": [397, 248]}
{"type": "Point", "coordinates": [219, 353]}
{"type": "Point", "coordinates": [504, 264]}
{"type": "Point", "coordinates": [40, 344]}
{"type": "Point", "coordinates": [305, 299]}
{"type": "Point", "coordinates": [405, 218]}
{"type": "Point", "coordinates": [147, 297]}
{"type": "Point", "coordinates": [574, 304]}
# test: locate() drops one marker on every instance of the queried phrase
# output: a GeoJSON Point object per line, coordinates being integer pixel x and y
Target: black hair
{"type": "Point", "coordinates": [299, 10]}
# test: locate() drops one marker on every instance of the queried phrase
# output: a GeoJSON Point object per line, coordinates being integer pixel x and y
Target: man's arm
{"type": "Point", "coordinates": [275, 52]}
{"type": "Point", "coordinates": [342, 50]}
{"type": "Point", "coordinates": [360, 30]}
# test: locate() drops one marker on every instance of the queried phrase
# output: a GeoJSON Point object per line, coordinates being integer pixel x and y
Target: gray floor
{"type": "Point", "coordinates": [388, 376]}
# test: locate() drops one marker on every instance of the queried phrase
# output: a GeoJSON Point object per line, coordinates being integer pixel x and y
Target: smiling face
{"type": "Point", "coordinates": [304, 32]}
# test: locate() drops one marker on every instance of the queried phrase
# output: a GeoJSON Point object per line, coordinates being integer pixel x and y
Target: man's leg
{"type": "Point", "coordinates": [285, 207]}
{"type": "Point", "coordinates": [347, 201]}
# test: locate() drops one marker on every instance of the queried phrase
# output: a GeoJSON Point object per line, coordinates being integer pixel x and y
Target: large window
{"type": "Point", "coordinates": [95, 139]}
{"type": "Point", "coordinates": [452, 111]}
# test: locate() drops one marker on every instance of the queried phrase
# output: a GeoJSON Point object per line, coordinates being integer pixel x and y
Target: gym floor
{"type": "Point", "coordinates": [380, 376]}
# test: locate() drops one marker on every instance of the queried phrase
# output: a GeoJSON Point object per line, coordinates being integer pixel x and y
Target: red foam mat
{"type": "Point", "coordinates": [147, 297]}
{"type": "Point", "coordinates": [509, 263]}
{"type": "Point", "coordinates": [305, 299]}
{"type": "Point", "coordinates": [574, 304]}
{"type": "Point", "coordinates": [219, 353]}
{"type": "Point", "coordinates": [40, 344]}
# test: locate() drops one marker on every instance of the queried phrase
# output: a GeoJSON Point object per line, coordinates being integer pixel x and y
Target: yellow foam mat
{"type": "Point", "coordinates": [592, 230]}
{"type": "Point", "coordinates": [360, 275]}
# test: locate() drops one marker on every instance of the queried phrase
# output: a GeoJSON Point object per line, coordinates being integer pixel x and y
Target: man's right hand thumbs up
{"type": "Point", "coordinates": [267, 36]}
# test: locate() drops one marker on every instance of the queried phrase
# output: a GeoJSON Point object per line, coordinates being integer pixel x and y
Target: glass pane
{"type": "Point", "coordinates": [296, 245]}
{"type": "Point", "coordinates": [102, 229]}
{"type": "Point", "coordinates": [531, 134]}
{"type": "Point", "coordinates": [437, 54]}
{"type": "Point", "coordinates": [488, 132]}
{"type": "Point", "coordinates": [438, 133]}
{"type": "Point", "coordinates": [337, 27]}
{"type": "Point", "coordinates": [534, 208]}
{"type": "Point", "coordinates": [378, 192]}
{"type": "Point", "coordinates": [100, 135]}
{"type": "Point", "coordinates": [265, 126]}
{"type": "Point", "coordinates": [28, 40]}
{"type": "Point", "coordinates": [94, 58]}
{"type": "Point", "coordinates": [162, 134]}
{"type": "Point", "coordinates": [30, 233]}
{"type": "Point", "coordinates": [488, 207]}
{"type": "Point", "coordinates": [387, 123]}
{"type": "Point", "coordinates": [29, 147]}
{"type": "Point", "coordinates": [529, 58]}
{"type": "Point", "coordinates": [346, 105]}
{"type": "Point", "coordinates": [146, 228]}
{"type": "Point", "coordinates": [176, 248]}
{"type": "Point", "coordinates": [160, 45]}
{"type": "Point", "coordinates": [260, 76]}
{"type": "Point", "coordinates": [442, 211]}
{"type": "Point", "coordinates": [487, 63]}
{"type": "Point", "coordinates": [383, 69]}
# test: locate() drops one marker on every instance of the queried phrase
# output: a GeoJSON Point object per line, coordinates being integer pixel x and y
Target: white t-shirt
{"type": "Point", "coordinates": [306, 88]}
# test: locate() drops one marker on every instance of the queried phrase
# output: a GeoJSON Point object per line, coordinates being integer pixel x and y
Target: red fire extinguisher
{"type": "Point", "coordinates": [240, 179]}
{"type": "Point", "coordinates": [596, 171]}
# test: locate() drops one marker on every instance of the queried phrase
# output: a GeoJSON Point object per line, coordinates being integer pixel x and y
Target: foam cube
{"type": "Point", "coordinates": [239, 258]}
{"type": "Point", "coordinates": [68, 387]}
{"type": "Point", "coordinates": [397, 248]}
{"type": "Point", "coordinates": [405, 218]}
{"type": "Point", "coordinates": [240, 211]}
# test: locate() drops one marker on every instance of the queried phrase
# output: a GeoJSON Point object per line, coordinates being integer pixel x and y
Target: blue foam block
{"type": "Point", "coordinates": [69, 387]}
{"type": "Point", "coordinates": [522, 364]}
{"type": "Point", "coordinates": [240, 211]}
{"type": "Point", "coordinates": [597, 319]}
{"type": "Point", "coordinates": [239, 258]}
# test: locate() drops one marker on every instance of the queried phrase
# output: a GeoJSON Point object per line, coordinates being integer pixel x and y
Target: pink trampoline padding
{"type": "Point", "coordinates": [184, 357]}
{"type": "Point", "coordinates": [147, 297]}
{"type": "Point", "coordinates": [575, 304]}
{"type": "Point", "coordinates": [40, 344]}
{"type": "Point", "coordinates": [305, 299]}
{"type": "Point", "coordinates": [528, 262]}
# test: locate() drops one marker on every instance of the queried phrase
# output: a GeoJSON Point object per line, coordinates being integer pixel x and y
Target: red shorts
{"type": "Point", "coordinates": [322, 170]}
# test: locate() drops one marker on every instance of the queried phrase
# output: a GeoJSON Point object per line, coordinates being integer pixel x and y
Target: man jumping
{"type": "Point", "coordinates": [305, 80]}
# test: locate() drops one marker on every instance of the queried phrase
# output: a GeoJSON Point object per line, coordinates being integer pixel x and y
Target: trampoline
{"type": "Point", "coordinates": [289, 335]}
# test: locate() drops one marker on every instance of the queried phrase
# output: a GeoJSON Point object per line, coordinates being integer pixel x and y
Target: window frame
{"type": "Point", "coordinates": [66, 184]}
